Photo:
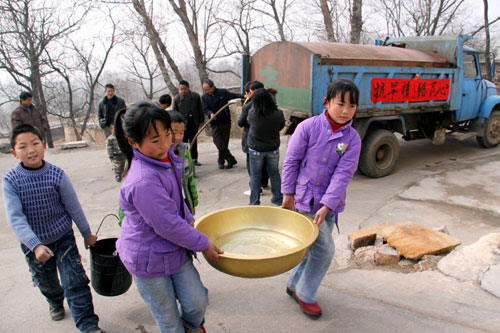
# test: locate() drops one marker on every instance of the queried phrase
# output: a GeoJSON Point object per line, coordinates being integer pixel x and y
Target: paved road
{"type": "Point", "coordinates": [455, 184]}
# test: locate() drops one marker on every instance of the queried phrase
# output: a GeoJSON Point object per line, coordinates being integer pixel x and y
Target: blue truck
{"type": "Point", "coordinates": [419, 87]}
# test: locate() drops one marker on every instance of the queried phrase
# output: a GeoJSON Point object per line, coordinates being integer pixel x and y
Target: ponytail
{"type": "Point", "coordinates": [122, 139]}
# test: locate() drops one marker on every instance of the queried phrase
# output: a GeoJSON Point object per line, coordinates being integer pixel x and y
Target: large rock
{"type": "Point", "coordinates": [490, 280]}
{"type": "Point", "coordinates": [366, 236]}
{"type": "Point", "coordinates": [468, 262]}
{"type": "Point", "coordinates": [74, 145]}
{"type": "Point", "coordinates": [386, 255]}
{"type": "Point", "coordinates": [365, 255]}
{"type": "Point", "coordinates": [413, 241]}
{"type": "Point", "coordinates": [428, 262]}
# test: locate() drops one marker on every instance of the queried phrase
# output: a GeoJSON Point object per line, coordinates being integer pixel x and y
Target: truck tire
{"type": "Point", "coordinates": [379, 153]}
{"type": "Point", "coordinates": [491, 131]}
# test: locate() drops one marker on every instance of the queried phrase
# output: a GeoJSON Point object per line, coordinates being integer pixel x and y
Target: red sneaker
{"type": "Point", "coordinates": [311, 310]}
{"type": "Point", "coordinates": [198, 330]}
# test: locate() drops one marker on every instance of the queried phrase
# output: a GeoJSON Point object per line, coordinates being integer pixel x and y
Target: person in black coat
{"type": "Point", "coordinates": [249, 88]}
{"type": "Point", "coordinates": [107, 108]}
{"type": "Point", "coordinates": [266, 121]}
{"type": "Point", "coordinates": [212, 100]}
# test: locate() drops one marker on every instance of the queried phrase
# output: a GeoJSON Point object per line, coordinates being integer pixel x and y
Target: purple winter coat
{"type": "Point", "coordinates": [319, 165]}
{"type": "Point", "coordinates": [154, 235]}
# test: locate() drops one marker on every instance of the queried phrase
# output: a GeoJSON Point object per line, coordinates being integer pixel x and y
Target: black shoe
{"type": "Point", "coordinates": [195, 162]}
{"type": "Point", "coordinates": [221, 166]}
{"type": "Point", "coordinates": [231, 162]}
{"type": "Point", "coordinates": [56, 312]}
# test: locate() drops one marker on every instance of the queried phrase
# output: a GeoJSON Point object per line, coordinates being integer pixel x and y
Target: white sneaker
{"type": "Point", "coordinates": [247, 193]}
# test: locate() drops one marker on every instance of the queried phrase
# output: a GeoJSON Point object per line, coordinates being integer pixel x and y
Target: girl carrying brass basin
{"type": "Point", "coordinates": [258, 241]}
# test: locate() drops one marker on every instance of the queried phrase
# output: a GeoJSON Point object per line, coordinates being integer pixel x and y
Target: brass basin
{"type": "Point", "coordinates": [258, 241]}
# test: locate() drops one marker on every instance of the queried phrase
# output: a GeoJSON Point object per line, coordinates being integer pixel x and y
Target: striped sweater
{"type": "Point", "coordinates": [41, 204]}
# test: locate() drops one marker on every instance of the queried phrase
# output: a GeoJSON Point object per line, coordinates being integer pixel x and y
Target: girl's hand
{"type": "Point", "coordinates": [212, 252]}
{"type": "Point", "coordinates": [288, 202]}
{"type": "Point", "coordinates": [42, 253]}
{"type": "Point", "coordinates": [320, 215]}
{"type": "Point", "coordinates": [90, 241]}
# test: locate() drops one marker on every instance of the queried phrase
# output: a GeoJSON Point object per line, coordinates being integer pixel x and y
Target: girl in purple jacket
{"type": "Point", "coordinates": [156, 236]}
{"type": "Point", "coordinates": [320, 160]}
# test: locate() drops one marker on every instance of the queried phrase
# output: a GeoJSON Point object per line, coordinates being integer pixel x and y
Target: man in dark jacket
{"type": "Point", "coordinates": [188, 103]}
{"type": "Point", "coordinates": [212, 100]}
{"type": "Point", "coordinates": [108, 107]}
{"type": "Point", "coordinates": [27, 114]}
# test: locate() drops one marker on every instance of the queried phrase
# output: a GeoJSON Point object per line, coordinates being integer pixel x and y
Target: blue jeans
{"type": "Point", "coordinates": [269, 160]}
{"type": "Point", "coordinates": [161, 293]}
{"type": "Point", "coordinates": [308, 274]}
{"type": "Point", "coordinates": [74, 281]}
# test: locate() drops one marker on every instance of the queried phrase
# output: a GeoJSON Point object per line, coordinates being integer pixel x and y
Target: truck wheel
{"type": "Point", "coordinates": [491, 131]}
{"type": "Point", "coordinates": [379, 153]}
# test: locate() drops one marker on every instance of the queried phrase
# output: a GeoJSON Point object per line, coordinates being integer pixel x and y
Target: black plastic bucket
{"type": "Point", "coordinates": [108, 275]}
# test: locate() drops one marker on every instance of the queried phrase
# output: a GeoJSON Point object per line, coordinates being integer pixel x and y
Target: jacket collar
{"type": "Point", "coordinates": [339, 132]}
{"type": "Point", "coordinates": [140, 156]}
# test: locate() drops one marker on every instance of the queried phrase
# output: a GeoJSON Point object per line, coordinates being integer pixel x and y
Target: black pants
{"type": "Point", "coordinates": [189, 134]}
{"type": "Point", "coordinates": [221, 134]}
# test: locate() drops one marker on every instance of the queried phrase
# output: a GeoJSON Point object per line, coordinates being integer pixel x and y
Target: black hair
{"type": "Point", "coordinates": [109, 85]}
{"type": "Point", "coordinates": [24, 129]}
{"type": "Point", "coordinates": [342, 87]}
{"type": "Point", "coordinates": [176, 117]}
{"type": "Point", "coordinates": [25, 95]}
{"type": "Point", "coordinates": [256, 85]}
{"type": "Point", "coordinates": [165, 99]}
{"type": "Point", "coordinates": [135, 123]}
{"type": "Point", "coordinates": [209, 82]}
{"type": "Point", "coordinates": [184, 83]}
{"type": "Point", "coordinates": [246, 87]}
{"type": "Point", "coordinates": [262, 102]}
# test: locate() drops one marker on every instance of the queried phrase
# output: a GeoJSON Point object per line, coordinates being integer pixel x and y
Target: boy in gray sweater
{"type": "Point", "coordinates": [41, 204]}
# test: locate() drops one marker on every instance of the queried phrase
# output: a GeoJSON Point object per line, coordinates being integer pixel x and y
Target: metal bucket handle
{"type": "Point", "coordinates": [111, 214]}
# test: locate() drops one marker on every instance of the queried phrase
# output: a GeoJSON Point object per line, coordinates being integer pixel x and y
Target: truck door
{"type": "Point", "coordinates": [472, 88]}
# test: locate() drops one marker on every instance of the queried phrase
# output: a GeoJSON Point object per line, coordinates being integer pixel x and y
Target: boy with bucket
{"type": "Point", "coordinates": [40, 204]}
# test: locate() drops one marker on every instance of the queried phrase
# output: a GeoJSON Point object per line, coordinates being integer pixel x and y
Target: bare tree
{"type": "Point", "coordinates": [159, 48]}
{"type": "Point", "coordinates": [421, 18]}
{"type": "Point", "coordinates": [238, 21]}
{"type": "Point", "coordinates": [190, 14]}
{"type": "Point", "coordinates": [142, 68]}
{"type": "Point", "coordinates": [487, 47]}
{"type": "Point", "coordinates": [81, 97]}
{"type": "Point", "coordinates": [327, 19]}
{"type": "Point", "coordinates": [278, 14]}
{"type": "Point", "coordinates": [356, 21]}
{"type": "Point", "coordinates": [27, 29]}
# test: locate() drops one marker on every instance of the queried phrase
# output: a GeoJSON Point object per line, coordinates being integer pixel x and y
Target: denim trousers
{"type": "Point", "coordinates": [161, 294]}
{"type": "Point", "coordinates": [74, 282]}
{"type": "Point", "coordinates": [269, 160]}
{"type": "Point", "coordinates": [308, 274]}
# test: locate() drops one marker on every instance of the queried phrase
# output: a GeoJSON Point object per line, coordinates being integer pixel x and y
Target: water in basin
{"type": "Point", "coordinates": [256, 241]}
